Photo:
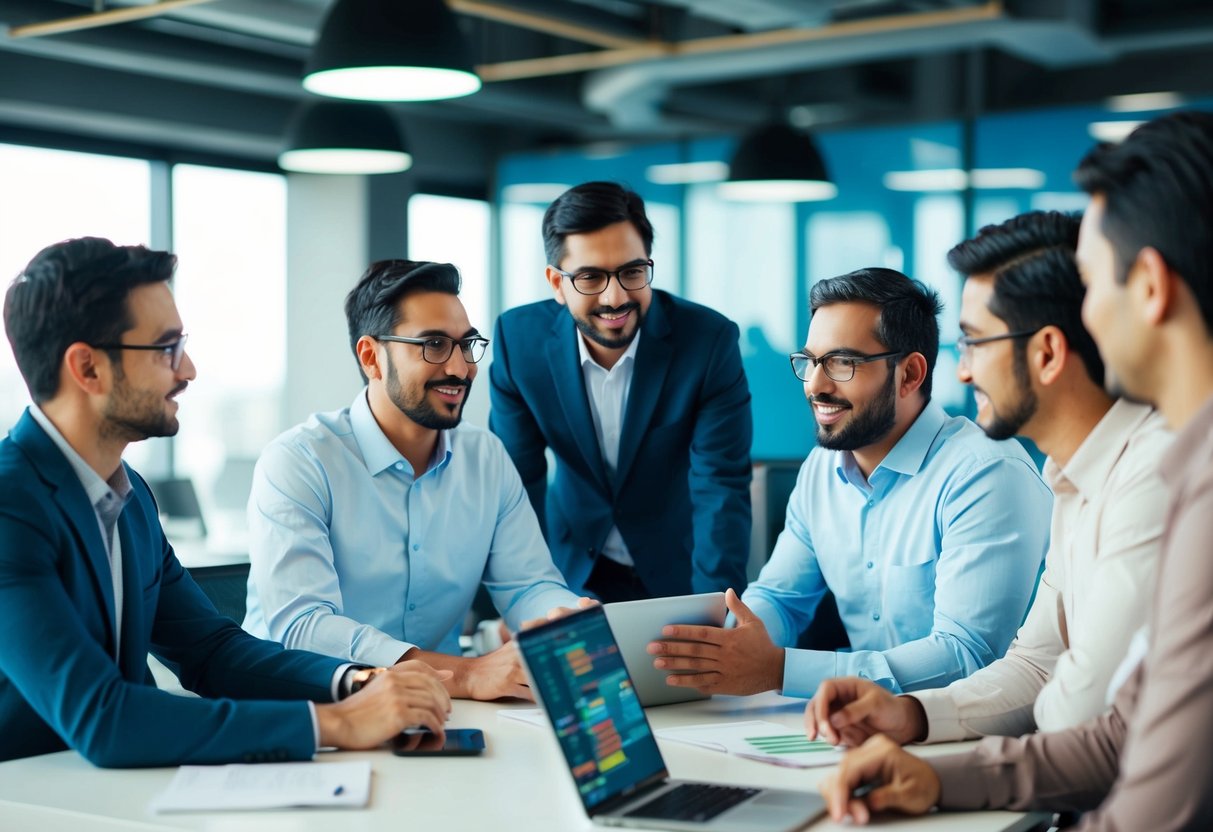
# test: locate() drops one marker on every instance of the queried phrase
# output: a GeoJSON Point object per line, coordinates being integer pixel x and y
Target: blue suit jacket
{"type": "Point", "coordinates": [60, 683]}
{"type": "Point", "coordinates": [681, 495]}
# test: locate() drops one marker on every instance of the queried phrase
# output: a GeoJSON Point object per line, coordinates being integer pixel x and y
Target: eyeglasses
{"type": "Point", "coordinates": [839, 366]}
{"type": "Point", "coordinates": [437, 349]}
{"type": "Point", "coordinates": [631, 277]}
{"type": "Point", "coordinates": [175, 349]}
{"type": "Point", "coordinates": [965, 344]}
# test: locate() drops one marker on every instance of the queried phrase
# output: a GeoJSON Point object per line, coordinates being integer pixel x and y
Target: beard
{"type": "Point", "coordinates": [611, 342]}
{"type": "Point", "coordinates": [415, 402]}
{"type": "Point", "coordinates": [1009, 424]}
{"type": "Point", "coordinates": [865, 427]}
{"type": "Point", "coordinates": [133, 415]}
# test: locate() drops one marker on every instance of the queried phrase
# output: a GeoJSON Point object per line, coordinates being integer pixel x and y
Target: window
{"type": "Point", "coordinates": [53, 195]}
{"type": "Point", "coordinates": [229, 230]}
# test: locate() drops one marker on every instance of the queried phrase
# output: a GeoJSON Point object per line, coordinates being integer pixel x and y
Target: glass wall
{"type": "Point", "coordinates": [53, 195]}
{"type": "Point", "coordinates": [229, 232]}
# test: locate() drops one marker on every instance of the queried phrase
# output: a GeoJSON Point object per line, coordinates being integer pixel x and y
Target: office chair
{"type": "Point", "coordinates": [226, 586]}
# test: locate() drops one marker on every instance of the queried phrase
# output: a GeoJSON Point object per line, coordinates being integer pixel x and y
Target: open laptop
{"type": "Point", "coordinates": [636, 623]}
{"type": "Point", "coordinates": [577, 673]}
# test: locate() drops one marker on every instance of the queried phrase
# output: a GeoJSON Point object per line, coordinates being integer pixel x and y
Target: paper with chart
{"type": "Point", "coordinates": [767, 742]}
{"type": "Point", "coordinates": [266, 786]}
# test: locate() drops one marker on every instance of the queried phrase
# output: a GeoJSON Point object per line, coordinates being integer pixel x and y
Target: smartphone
{"type": "Point", "coordinates": [460, 742]}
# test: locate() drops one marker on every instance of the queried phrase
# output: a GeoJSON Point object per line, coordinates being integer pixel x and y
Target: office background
{"type": "Point", "coordinates": [165, 133]}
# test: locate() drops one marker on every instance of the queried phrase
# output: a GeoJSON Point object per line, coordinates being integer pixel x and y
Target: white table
{"type": "Point", "coordinates": [520, 783]}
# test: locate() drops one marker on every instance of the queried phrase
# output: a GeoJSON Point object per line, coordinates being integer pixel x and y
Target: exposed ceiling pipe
{"type": "Point", "coordinates": [631, 96]}
{"type": "Point", "coordinates": [97, 19]}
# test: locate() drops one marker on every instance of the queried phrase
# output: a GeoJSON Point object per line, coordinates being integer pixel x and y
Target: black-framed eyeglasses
{"type": "Point", "coordinates": [174, 349]}
{"type": "Point", "coordinates": [632, 277]}
{"type": "Point", "coordinates": [839, 366]}
{"type": "Point", "coordinates": [437, 349]}
{"type": "Point", "coordinates": [965, 344]}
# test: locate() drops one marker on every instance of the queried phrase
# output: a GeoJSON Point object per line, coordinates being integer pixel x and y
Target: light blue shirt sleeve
{"type": "Point", "coordinates": [933, 571]}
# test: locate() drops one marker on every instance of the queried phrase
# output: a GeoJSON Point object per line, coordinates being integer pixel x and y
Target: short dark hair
{"type": "Point", "coordinates": [909, 310]}
{"type": "Point", "coordinates": [589, 207]}
{"type": "Point", "coordinates": [373, 306]}
{"type": "Point", "coordinates": [1036, 282]}
{"type": "Point", "coordinates": [75, 290]}
{"type": "Point", "coordinates": [1158, 184]}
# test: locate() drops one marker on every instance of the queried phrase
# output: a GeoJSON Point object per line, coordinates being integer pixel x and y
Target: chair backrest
{"type": "Point", "coordinates": [177, 501]}
{"type": "Point", "coordinates": [226, 586]}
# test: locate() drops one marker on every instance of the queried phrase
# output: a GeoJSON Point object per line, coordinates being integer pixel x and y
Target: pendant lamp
{"type": "Point", "coordinates": [344, 137]}
{"type": "Point", "coordinates": [776, 163]}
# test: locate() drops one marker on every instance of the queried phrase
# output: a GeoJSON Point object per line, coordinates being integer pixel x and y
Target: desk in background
{"type": "Point", "coordinates": [521, 783]}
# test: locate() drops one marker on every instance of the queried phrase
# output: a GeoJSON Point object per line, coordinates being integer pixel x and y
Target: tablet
{"type": "Point", "coordinates": [636, 623]}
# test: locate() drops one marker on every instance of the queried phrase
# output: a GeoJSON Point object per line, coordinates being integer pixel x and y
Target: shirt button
{"type": "Point", "coordinates": [399, 466]}
{"type": "Point", "coordinates": [416, 547]}
{"type": "Point", "coordinates": [871, 503]}
{"type": "Point", "coordinates": [869, 564]}
{"type": "Point", "coordinates": [875, 616]}
{"type": "Point", "coordinates": [412, 607]}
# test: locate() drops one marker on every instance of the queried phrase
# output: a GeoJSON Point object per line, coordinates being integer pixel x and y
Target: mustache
{"type": "Point", "coordinates": [449, 381]}
{"type": "Point", "coordinates": [615, 310]}
{"type": "Point", "coordinates": [180, 388]}
{"type": "Point", "coordinates": [826, 398]}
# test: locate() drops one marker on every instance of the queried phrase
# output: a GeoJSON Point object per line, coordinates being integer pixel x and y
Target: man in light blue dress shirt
{"type": "Point", "coordinates": [930, 535]}
{"type": "Point", "coordinates": [372, 527]}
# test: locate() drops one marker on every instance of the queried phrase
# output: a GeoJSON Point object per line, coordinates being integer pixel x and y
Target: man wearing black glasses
{"type": "Point", "coordinates": [641, 398]}
{"type": "Point", "coordinates": [929, 534]}
{"type": "Point", "coordinates": [88, 584]}
{"type": "Point", "coordinates": [372, 527]}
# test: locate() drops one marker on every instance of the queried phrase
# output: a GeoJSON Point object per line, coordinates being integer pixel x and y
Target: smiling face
{"type": "Point", "coordinates": [997, 370]}
{"type": "Point", "coordinates": [142, 401]}
{"type": "Point", "coordinates": [851, 415]}
{"type": "Point", "coordinates": [609, 320]}
{"type": "Point", "coordinates": [1107, 307]}
{"type": "Point", "coordinates": [432, 395]}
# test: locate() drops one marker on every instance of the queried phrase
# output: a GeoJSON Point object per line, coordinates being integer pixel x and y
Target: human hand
{"type": "Point", "coordinates": [583, 603]}
{"type": "Point", "coordinates": [407, 694]}
{"type": "Point", "coordinates": [899, 780]}
{"type": "Point", "coordinates": [849, 710]}
{"type": "Point", "coordinates": [740, 660]}
{"type": "Point", "coordinates": [495, 675]}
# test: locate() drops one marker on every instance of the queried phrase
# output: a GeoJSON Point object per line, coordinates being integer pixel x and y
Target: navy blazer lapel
{"type": "Point", "coordinates": [68, 493]}
{"type": "Point", "coordinates": [654, 355]}
{"type": "Point", "coordinates": [565, 362]}
{"type": "Point", "coordinates": [132, 522]}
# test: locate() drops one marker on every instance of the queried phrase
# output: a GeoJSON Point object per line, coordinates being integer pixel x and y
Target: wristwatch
{"type": "Point", "coordinates": [356, 678]}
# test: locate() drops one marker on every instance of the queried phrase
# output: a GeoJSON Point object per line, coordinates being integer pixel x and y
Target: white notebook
{"type": "Point", "coordinates": [266, 786]}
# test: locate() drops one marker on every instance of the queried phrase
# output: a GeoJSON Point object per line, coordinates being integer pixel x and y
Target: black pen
{"type": "Point", "coordinates": [338, 790]}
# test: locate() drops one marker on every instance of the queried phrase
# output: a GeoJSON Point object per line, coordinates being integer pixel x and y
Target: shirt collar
{"type": "Point", "coordinates": [95, 488]}
{"type": "Point", "coordinates": [1188, 452]}
{"type": "Point", "coordinates": [585, 357]}
{"type": "Point", "coordinates": [377, 450]}
{"type": "Point", "coordinates": [1091, 465]}
{"type": "Point", "coordinates": [910, 452]}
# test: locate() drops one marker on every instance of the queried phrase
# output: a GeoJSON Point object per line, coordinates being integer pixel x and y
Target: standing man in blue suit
{"type": "Point", "coordinates": [642, 400]}
{"type": "Point", "coordinates": [89, 585]}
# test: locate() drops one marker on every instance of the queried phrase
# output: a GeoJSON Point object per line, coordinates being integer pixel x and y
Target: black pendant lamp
{"type": "Point", "coordinates": [344, 137]}
{"type": "Point", "coordinates": [776, 163]}
{"type": "Point", "coordinates": [390, 50]}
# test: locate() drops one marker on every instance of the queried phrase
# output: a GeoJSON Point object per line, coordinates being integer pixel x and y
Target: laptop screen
{"type": "Point", "coordinates": [580, 677]}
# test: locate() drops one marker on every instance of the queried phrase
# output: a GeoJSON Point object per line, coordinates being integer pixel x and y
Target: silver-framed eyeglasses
{"type": "Point", "coordinates": [965, 344]}
{"type": "Point", "coordinates": [632, 277]}
{"type": "Point", "coordinates": [174, 349]}
{"type": "Point", "coordinates": [838, 366]}
{"type": "Point", "coordinates": [437, 349]}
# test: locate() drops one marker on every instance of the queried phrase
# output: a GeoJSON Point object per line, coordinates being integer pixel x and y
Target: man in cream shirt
{"type": "Point", "coordinates": [1036, 372]}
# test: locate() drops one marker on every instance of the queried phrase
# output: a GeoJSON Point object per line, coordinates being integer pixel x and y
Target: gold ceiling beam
{"type": "Point", "coordinates": [585, 61]}
{"type": "Point", "coordinates": [543, 23]}
{"type": "Point", "coordinates": [94, 20]}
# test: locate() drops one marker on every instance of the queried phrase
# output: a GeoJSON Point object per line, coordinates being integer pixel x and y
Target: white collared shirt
{"type": "Point", "coordinates": [607, 391]}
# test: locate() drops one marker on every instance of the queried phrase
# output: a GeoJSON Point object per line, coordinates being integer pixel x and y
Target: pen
{"type": "Point", "coordinates": [338, 790]}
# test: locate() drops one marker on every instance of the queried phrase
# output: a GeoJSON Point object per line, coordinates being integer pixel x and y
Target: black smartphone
{"type": "Point", "coordinates": [460, 742]}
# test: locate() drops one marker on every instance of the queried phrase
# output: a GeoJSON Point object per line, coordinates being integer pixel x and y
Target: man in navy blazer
{"type": "Point", "coordinates": [89, 585]}
{"type": "Point", "coordinates": [641, 398]}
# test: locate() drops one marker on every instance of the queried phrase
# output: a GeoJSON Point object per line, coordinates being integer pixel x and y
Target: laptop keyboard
{"type": "Point", "coordinates": [692, 802]}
